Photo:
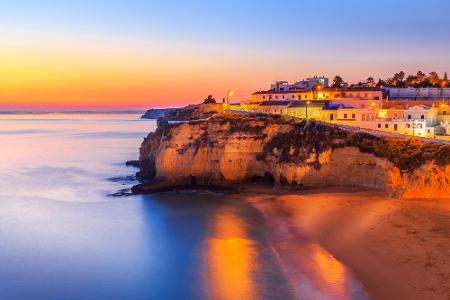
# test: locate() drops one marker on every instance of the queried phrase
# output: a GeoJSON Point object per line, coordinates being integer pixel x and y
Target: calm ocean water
{"type": "Point", "coordinates": [63, 237]}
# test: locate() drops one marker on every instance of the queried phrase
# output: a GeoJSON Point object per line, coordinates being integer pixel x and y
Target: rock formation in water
{"type": "Point", "coordinates": [190, 112]}
{"type": "Point", "coordinates": [229, 149]}
{"type": "Point", "coordinates": [156, 113]}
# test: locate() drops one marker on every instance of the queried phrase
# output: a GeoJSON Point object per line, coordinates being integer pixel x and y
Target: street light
{"type": "Point", "coordinates": [307, 102]}
{"type": "Point", "coordinates": [230, 93]}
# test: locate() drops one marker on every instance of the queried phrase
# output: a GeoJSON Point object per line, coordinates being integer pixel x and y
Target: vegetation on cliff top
{"type": "Point", "coordinates": [306, 140]}
{"type": "Point", "coordinates": [312, 138]}
{"type": "Point", "coordinates": [303, 143]}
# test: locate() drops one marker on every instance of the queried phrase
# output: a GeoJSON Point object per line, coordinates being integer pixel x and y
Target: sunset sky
{"type": "Point", "coordinates": [138, 54]}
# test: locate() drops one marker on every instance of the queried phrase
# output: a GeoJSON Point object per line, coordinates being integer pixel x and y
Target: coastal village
{"type": "Point", "coordinates": [399, 109]}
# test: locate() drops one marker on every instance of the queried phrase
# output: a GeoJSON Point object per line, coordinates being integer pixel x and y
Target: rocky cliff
{"type": "Point", "coordinates": [227, 149]}
{"type": "Point", "coordinates": [156, 113]}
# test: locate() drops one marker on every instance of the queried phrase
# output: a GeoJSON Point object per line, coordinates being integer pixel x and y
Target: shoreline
{"type": "Point", "coordinates": [398, 249]}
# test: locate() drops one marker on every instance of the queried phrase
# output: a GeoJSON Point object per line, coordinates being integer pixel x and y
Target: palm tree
{"type": "Point", "coordinates": [420, 78]}
{"type": "Point", "coordinates": [434, 78]}
{"type": "Point", "coordinates": [410, 80]}
{"type": "Point", "coordinates": [381, 83]}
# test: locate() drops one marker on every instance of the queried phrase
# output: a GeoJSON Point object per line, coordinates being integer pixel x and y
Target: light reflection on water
{"type": "Point", "coordinates": [230, 258]}
{"type": "Point", "coordinates": [61, 237]}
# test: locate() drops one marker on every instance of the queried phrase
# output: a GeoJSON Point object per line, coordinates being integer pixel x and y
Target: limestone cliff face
{"type": "Point", "coordinates": [230, 149]}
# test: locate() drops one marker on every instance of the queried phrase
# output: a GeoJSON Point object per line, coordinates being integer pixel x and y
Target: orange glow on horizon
{"type": "Point", "coordinates": [109, 76]}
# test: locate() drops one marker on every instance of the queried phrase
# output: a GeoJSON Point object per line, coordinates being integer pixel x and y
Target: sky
{"type": "Point", "coordinates": [135, 54]}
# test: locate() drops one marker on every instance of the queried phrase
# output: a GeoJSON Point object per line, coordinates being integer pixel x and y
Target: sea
{"type": "Point", "coordinates": [65, 234]}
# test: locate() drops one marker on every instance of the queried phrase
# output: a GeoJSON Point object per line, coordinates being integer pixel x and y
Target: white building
{"type": "Point", "coordinates": [305, 84]}
{"type": "Point", "coordinates": [394, 93]}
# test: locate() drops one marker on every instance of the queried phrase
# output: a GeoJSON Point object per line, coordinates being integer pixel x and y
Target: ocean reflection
{"type": "Point", "coordinates": [62, 237]}
{"type": "Point", "coordinates": [231, 260]}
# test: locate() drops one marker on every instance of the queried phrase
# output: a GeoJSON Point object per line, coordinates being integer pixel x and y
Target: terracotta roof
{"type": "Point", "coordinates": [279, 92]}
{"type": "Point", "coordinates": [312, 103]}
{"type": "Point", "coordinates": [275, 103]}
{"type": "Point", "coordinates": [355, 89]}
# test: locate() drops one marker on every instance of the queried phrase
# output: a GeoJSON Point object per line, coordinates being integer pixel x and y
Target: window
{"type": "Point", "coordinates": [444, 112]}
{"type": "Point", "coordinates": [270, 97]}
{"type": "Point", "coordinates": [409, 117]}
{"type": "Point", "coordinates": [264, 97]}
{"type": "Point", "coordinates": [276, 97]}
{"type": "Point", "coordinates": [363, 117]}
{"type": "Point", "coordinates": [379, 125]}
{"type": "Point", "coordinates": [395, 127]}
{"type": "Point", "coordinates": [299, 97]}
{"type": "Point", "coordinates": [331, 117]}
{"type": "Point", "coordinates": [358, 95]}
{"type": "Point", "coordinates": [419, 126]}
{"type": "Point", "coordinates": [408, 126]}
{"type": "Point", "coordinates": [422, 117]}
{"type": "Point", "coordinates": [293, 96]}
{"type": "Point", "coordinates": [353, 116]}
{"type": "Point", "coordinates": [345, 116]}
{"type": "Point", "coordinates": [350, 95]}
{"type": "Point", "coordinates": [429, 131]}
{"type": "Point", "coordinates": [395, 115]}
{"type": "Point", "coordinates": [386, 125]}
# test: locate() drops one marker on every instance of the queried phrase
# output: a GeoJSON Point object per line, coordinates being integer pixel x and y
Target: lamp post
{"type": "Point", "coordinates": [230, 93]}
{"type": "Point", "coordinates": [307, 102]}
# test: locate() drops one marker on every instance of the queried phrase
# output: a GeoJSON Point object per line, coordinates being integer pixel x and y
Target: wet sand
{"type": "Point", "coordinates": [398, 249]}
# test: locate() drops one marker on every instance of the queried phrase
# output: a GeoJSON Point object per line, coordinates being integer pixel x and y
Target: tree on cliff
{"type": "Point", "coordinates": [381, 83]}
{"type": "Point", "coordinates": [434, 78]}
{"type": "Point", "coordinates": [209, 100]}
{"type": "Point", "coordinates": [338, 82]}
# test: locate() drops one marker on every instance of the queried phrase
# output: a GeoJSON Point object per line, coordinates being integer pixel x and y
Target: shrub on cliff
{"type": "Point", "coordinates": [307, 139]}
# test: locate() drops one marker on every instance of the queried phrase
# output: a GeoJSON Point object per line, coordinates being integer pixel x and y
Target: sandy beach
{"type": "Point", "coordinates": [398, 249]}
